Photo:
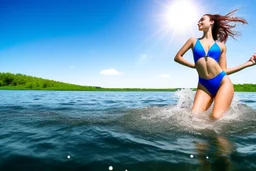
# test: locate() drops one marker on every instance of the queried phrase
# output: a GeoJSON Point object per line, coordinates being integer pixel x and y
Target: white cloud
{"type": "Point", "coordinates": [165, 76]}
{"type": "Point", "coordinates": [110, 71]}
{"type": "Point", "coordinates": [71, 67]}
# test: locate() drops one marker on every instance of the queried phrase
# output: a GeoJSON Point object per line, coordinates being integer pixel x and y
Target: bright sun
{"type": "Point", "coordinates": [177, 21]}
{"type": "Point", "coordinates": [181, 15]}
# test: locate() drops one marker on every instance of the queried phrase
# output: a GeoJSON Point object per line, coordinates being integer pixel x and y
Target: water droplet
{"type": "Point", "coordinates": [68, 157]}
{"type": "Point", "coordinates": [191, 156]}
{"type": "Point", "coordinates": [207, 157]}
{"type": "Point", "coordinates": [110, 168]}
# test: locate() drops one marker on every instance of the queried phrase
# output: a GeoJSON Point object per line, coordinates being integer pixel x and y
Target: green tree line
{"type": "Point", "coordinates": [21, 81]}
{"type": "Point", "coordinates": [10, 81]}
{"type": "Point", "coordinates": [245, 87]}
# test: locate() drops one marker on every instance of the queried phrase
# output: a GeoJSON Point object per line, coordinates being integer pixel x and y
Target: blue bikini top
{"type": "Point", "coordinates": [198, 51]}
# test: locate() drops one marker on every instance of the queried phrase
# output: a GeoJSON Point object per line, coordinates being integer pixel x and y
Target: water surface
{"type": "Point", "coordinates": [76, 130]}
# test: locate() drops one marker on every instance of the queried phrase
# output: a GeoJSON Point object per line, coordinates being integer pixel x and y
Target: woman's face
{"type": "Point", "coordinates": [204, 23]}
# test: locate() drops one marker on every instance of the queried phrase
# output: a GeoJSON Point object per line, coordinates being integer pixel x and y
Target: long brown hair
{"type": "Point", "coordinates": [221, 28]}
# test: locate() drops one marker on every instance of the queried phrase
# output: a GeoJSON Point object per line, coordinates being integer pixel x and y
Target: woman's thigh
{"type": "Point", "coordinates": [202, 100]}
{"type": "Point", "coordinates": [223, 98]}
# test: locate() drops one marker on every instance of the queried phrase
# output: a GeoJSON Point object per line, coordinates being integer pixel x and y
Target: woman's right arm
{"type": "Point", "coordinates": [179, 56]}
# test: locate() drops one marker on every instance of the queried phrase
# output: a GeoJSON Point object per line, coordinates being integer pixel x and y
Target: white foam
{"type": "Point", "coordinates": [185, 98]}
{"type": "Point", "coordinates": [179, 117]}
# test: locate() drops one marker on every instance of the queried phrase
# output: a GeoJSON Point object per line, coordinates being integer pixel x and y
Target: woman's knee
{"type": "Point", "coordinates": [217, 114]}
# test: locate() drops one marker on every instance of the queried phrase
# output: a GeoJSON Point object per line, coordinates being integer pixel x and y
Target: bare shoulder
{"type": "Point", "coordinates": [188, 45]}
{"type": "Point", "coordinates": [222, 46]}
{"type": "Point", "coordinates": [191, 41]}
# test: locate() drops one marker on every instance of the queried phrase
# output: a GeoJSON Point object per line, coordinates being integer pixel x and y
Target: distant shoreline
{"type": "Point", "coordinates": [238, 88]}
{"type": "Point", "coordinates": [85, 89]}
{"type": "Point", "coordinates": [10, 81]}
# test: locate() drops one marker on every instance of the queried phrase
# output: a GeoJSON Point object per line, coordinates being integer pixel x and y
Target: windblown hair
{"type": "Point", "coordinates": [222, 28]}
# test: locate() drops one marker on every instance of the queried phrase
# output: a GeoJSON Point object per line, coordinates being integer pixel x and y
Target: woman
{"type": "Point", "coordinates": [209, 53]}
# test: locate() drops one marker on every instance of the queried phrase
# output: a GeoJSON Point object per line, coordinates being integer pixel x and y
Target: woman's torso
{"type": "Point", "coordinates": [207, 62]}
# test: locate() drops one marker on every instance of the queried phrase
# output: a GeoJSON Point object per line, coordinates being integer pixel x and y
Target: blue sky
{"type": "Point", "coordinates": [113, 43]}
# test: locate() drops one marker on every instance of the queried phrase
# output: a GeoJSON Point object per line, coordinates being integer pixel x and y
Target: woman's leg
{"type": "Point", "coordinates": [202, 100]}
{"type": "Point", "coordinates": [223, 98]}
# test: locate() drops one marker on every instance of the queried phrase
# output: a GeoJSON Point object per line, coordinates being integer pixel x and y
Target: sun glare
{"type": "Point", "coordinates": [181, 15]}
{"type": "Point", "coordinates": [177, 21]}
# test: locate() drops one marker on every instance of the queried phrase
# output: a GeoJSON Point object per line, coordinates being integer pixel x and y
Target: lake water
{"type": "Point", "coordinates": [133, 131]}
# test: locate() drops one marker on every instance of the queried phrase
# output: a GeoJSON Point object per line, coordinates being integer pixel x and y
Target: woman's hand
{"type": "Point", "coordinates": [252, 60]}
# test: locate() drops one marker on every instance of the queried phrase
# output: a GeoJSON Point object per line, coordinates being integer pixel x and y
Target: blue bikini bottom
{"type": "Point", "coordinates": [213, 84]}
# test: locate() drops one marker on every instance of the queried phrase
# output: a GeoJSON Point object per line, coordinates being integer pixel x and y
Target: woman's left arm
{"type": "Point", "coordinates": [223, 62]}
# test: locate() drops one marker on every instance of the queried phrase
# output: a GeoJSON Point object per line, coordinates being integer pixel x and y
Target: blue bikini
{"type": "Point", "coordinates": [213, 84]}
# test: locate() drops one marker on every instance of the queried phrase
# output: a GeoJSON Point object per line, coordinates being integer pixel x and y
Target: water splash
{"type": "Point", "coordinates": [240, 118]}
{"type": "Point", "coordinates": [185, 98]}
